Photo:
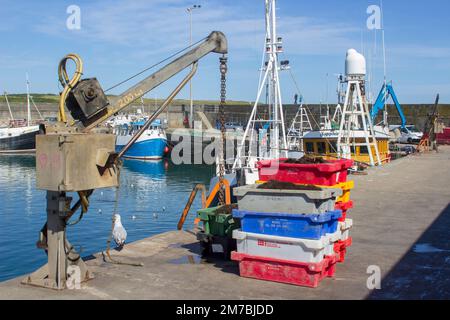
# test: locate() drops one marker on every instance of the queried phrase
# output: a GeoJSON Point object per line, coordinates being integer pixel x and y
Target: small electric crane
{"type": "Point", "coordinates": [78, 156]}
{"type": "Point", "coordinates": [387, 91]}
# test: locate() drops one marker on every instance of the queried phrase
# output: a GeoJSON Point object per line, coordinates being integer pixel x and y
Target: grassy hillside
{"type": "Point", "coordinates": [52, 98]}
{"type": "Point", "coordinates": [38, 98]}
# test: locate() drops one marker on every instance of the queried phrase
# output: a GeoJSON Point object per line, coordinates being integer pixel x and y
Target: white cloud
{"type": "Point", "coordinates": [154, 27]}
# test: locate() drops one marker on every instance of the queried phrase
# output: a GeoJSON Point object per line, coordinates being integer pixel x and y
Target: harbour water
{"type": "Point", "coordinates": [150, 200]}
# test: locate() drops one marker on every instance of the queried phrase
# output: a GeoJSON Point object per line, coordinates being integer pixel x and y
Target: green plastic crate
{"type": "Point", "coordinates": [218, 221]}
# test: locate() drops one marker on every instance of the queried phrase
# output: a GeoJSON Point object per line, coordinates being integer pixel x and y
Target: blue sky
{"type": "Point", "coordinates": [119, 38]}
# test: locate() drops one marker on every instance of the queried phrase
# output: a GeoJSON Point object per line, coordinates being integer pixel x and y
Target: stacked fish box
{"type": "Point", "coordinates": [294, 226]}
{"type": "Point", "coordinates": [329, 174]}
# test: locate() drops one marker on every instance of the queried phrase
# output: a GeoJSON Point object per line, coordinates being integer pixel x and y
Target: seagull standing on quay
{"type": "Point", "coordinates": [119, 233]}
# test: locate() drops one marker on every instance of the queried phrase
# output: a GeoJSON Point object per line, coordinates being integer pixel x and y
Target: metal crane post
{"type": "Point", "coordinates": [65, 268]}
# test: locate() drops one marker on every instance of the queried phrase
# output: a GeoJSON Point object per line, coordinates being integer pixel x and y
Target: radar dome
{"type": "Point", "coordinates": [355, 63]}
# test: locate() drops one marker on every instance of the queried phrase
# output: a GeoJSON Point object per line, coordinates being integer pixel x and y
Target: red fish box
{"type": "Point", "coordinates": [290, 272]}
{"type": "Point", "coordinates": [330, 173]}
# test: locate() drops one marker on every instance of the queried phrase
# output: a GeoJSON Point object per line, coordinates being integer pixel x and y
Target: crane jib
{"type": "Point", "coordinates": [216, 42]}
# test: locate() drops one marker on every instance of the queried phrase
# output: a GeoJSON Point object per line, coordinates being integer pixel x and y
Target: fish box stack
{"type": "Point", "coordinates": [294, 226]}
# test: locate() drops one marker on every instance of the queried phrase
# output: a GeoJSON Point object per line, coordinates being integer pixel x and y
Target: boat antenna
{"type": "Point", "coordinates": [28, 101]}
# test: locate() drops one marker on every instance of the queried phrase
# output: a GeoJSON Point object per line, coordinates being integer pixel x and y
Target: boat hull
{"type": "Point", "coordinates": [19, 143]}
{"type": "Point", "coordinates": [151, 149]}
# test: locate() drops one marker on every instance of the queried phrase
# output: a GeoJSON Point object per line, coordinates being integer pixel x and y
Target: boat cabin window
{"type": "Point", "coordinates": [156, 128]}
{"type": "Point", "coordinates": [309, 147]}
{"type": "Point", "coordinates": [333, 146]}
{"type": "Point", "coordinates": [321, 148]}
{"type": "Point", "coordinates": [363, 150]}
{"type": "Point", "coordinates": [121, 130]}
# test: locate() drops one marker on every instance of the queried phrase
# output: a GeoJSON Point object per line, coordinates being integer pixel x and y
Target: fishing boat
{"type": "Point", "coordinates": [324, 142]}
{"type": "Point", "coordinates": [19, 139]}
{"type": "Point", "coordinates": [20, 135]}
{"type": "Point", "coordinates": [266, 135]}
{"type": "Point", "coordinates": [356, 137]}
{"type": "Point", "coordinates": [151, 145]}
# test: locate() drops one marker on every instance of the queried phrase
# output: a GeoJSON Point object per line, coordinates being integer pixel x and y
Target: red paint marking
{"type": "Point", "coordinates": [42, 160]}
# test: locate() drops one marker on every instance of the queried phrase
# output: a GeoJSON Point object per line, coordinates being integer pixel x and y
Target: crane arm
{"type": "Point", "coordinates": [88, 103]}
{"type": "Point", "coordinates": [379, 104]}
{"type": "Point", "coordinates": [390, 90]}
{"type": "Point", "coordinates": [385, 92]}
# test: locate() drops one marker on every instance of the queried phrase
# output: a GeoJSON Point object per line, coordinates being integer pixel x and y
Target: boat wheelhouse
{"type": "Point", "coordinates": [324, 143]}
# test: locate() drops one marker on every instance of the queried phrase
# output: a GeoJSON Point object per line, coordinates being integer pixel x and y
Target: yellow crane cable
{"type": "Point", "coordinates": [66, 82]}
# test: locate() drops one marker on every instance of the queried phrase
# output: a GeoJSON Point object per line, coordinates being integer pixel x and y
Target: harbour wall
{"type": "Point", "coordinates": [416, 114]}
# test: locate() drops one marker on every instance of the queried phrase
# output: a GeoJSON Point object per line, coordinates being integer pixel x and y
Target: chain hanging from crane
{"type": "Point", "coordinates": [223, 92]}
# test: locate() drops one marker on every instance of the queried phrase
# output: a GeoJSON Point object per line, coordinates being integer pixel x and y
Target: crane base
{"type": "Point", "coordinates": [77, 273]}
{"type": "Point", "coordinates": [65, 268]}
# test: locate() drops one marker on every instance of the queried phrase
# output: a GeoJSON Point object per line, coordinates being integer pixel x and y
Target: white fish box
{"type": "Point", "coordinates": [291, 249]}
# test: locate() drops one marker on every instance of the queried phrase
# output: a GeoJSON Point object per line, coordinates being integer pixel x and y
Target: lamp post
{"type": "Point", "coordinates": [191, 113]}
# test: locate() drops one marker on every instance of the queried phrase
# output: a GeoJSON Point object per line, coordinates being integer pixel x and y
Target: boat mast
{"type": "Point", "coordinates": [269, 80]}
{"type": "Point", "coordinates": [28, 102]}
{"type": "Point", "coordinates": [9, 107]}
{"type": "Point", "coordinates": [385, 114]}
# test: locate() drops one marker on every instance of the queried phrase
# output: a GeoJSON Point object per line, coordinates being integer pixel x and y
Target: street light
{"type": "Point", "coordinates": [191, 113]}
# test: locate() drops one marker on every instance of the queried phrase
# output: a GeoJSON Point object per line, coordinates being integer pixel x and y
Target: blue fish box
{"type": "Point", "coordinates": [304, 226]}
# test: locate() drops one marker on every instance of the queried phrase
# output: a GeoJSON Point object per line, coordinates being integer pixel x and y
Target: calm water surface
{"type": "Point", "coordinates": [151, 198]}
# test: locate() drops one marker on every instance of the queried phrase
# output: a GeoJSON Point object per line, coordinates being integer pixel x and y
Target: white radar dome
{"type": "Point", "coordinates": [355, 63]}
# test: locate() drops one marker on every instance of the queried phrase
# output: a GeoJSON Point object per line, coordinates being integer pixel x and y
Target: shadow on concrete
{"type": "Point", "coordinates": [218, 260]}
{"type": "Point", "coordinates": [424, 272]}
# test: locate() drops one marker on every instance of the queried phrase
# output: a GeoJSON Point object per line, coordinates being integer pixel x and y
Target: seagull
{"type": "Point", "coordinates": [119, 233]}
